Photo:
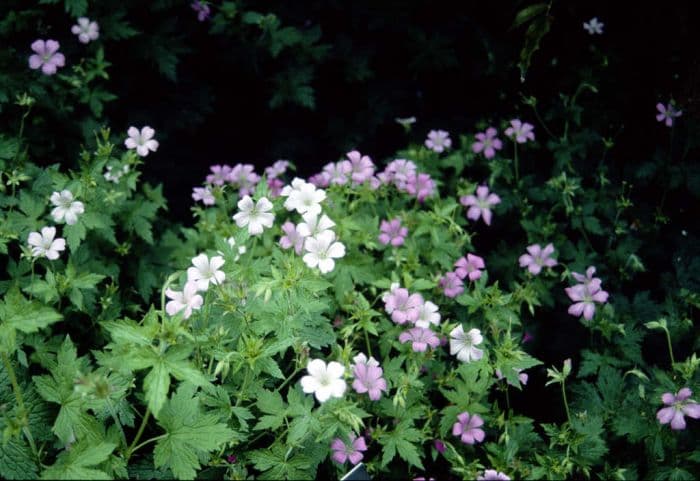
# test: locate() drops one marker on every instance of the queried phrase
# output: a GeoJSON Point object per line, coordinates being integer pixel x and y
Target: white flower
{"type": "Point", "coordinates": [462, 344]}
{"type": "Point", "coordinates": [362, 359]}
{"type": "Point", "coordinates": [142, 141]}
{"type": "Point", "coordinates": [313, 226]}
{"type": "Point", "coordinates": [86, 30]}
{"type": "Point", "coordinates": [324, 381]}
{"type": "Point", "coordinates": [322, 250]}
{"type": "Point", "coordinates": [254, 215]}
{"type": "Point", "coordinates": [45, 245]}
{"type": "Point", "coordinates": [305, 199]}
{"type": "Point", "coordinates": [241, 249]}
{"type": "Point", "coordinates": [206, 271]}
{"type": "Point", "coordinates": [296, 185]}
{"type": "Point", "coordinates": [593, 26]}
{"type": "Point", "coordinates": [66, 208]}
{"type": "Point", "coordinates": [188, 299]}
{"type": "Point", "coordinates": [116, 174]}
{"type": "Point", "coordinates": [428, 314]}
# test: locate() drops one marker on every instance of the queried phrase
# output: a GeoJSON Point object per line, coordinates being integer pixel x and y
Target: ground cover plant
{"type": "Point", "coordinates": [509, 301]}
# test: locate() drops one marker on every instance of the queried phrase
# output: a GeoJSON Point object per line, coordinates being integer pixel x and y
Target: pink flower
{"type": "Point", "coordinates": [467, 427]}
{"type": "Point", "coordinates": [421, 186]}
{"type": "Point", "coordinates": [451, 284]}
{"type": "Point", "coordinates": [522, 377]}
{"type": "Point", "coordinates": [361, 167]}
{"type": "Point", "coordinates": [439, 446]}
{"type": "Point", "coordinates": [402, 306]}
{"type": "Point", "coordinates": [537, 258]}
{"type": "Point", "coordinates": [368, 377]}
{"type": "Point", "coordinates": [469, 267]}
{"type": "Point", "coordinates": [46, 56]}
{"type": "Point", "coordinates": [520, 132]}
{"type": "Point", "coordinates": [243, 177]}
{"type": "Point", "coordinates": [353, 451]}
{"type": "Point", "coordinates": [219, 174]}
{"type": "Point", "coordinates": [667, 113]}
{"type": "Point", "coordinates": [338, 172]}
{"type": "Point", "coordinates": [488, 143]}
{"type": "Point", "coordinates": [492, 475]}
{"type": "Point", "coordinates": [292, 238]}
{"type": "Point", "coordinates": [86, 30]}
{"type": "Point", "coordinates": [204, 195]}
{"type": "Point", "coordinates": [276, 169]}
{"type": "Point", "coordinates": [203, 10]}
{"type": "Point", "coordinates": [584, 297]}
{"type": "Point", "coordinates": [399, 171]}
{"type": "Point", "coordinates": [392, 232]}
{"type": "Point", "coordinates": [321, 180]}
{"type": "Point", "coordinates": [678, 406]}
{"type": "Point", "coordinates": [480, 206]}
{"type": "Point", "coordinates": [438, 141]}
{"type": "Point", "coordinates": [588, 279]}
{"type": "Point", "coordinates": [275, 186]}
{"type": "Point", "coordinates": [421, 338]}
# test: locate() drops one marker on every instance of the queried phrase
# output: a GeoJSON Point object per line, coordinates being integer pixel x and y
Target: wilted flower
{"type": "Point", "coordinates": [324, 381]}
{"type": "Point", "coordinates": [255, 215]}
{"type": "Point", "coordinates": [537, 258]}
{"type": "Point", "coordinates": [188, 299]}
{"type": "Point", "coordinates": [468, 427]}
{"type": "Point", "coordinates": [204, 195]}
{"type": "Point", "coordinates": [488, 143]}
{"type": "Point", "coordinates": [438, 141]}
{"type": "Point", "coordinates": [451, 284]}
{"type": "Point", "coordinates": [206, 270]}
{"type": "Point", "coordinates": [86, 30]}
{"type": "Point", "coordinates": [677, 407]}
{"type": "Point", "coordinates": [321, 250]}
{"type": "Point", "coordinates": [521, 132]}
{"type": "Point", "coordinates": [46, 56]}
{"type": "Point", "coordinates": [480, 206]}
{"type": "Point", "coordinates": [392, 232]}
{"type": "Point", "coordinates": [348, 452]}
{"type": "Point", "coordinates": [142, 141]}
{"type": "Point", "coordinates": [463, 344]}
{"type": "Point", "coordinates": [593, 26]}
{"type": "Point", "coordinates": [66, 208]}
{"type": "Point", "coordinates": [292, 238]}
{"type": "Point", "coordinates": [469, 266]}
{"type": "Point", "coordinates": [492, 475]}
{"type": "Point", "coordinates": [667, 113]}
{"type": "Point", "coordinates": [46, 244]}
{"type": "Point", "coordinates": [420, 339]}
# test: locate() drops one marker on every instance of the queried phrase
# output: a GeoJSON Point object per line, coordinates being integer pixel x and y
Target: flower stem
{"type": "Point", "coordinates": [369, 349]}
{"type": "Point", "coordinates": [566, 403]}
{"type": "Point", "coordinates": [20, 404]}
{"type": "Point", "coordinates": [670, 348]}
{"type": "Point", "coordinates": [515, 162]}
{"type": "Point", "coordinates": [144, 421]}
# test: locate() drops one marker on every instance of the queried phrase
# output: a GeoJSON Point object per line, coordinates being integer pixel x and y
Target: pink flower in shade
{"type": "Point", "coordinates": [402, 306]}
{"type": "Point", "coordinates": [584, 297]}
{"type": "Point", "coordinates": [488, 143]}
{"type": "Point", "coordinates": [667, 113]}
{"type": "Point", "coordinates": [362, 167]}
{"type": "Point", "coordinates": [338, 172]}
{"type": "Point", "coordinates": [368, 377]}
{"type": "Point", "coordinates": [438, 141]}
{"type": "Point", "coordinates": [86, 30]}
{"type": "Point", "coordinates": [480, 205]}
{"type": "Point", "coordinates": [467, 428]}
{"type": "Point", "coordinates": [588, 278]}
{"type": "Point", "coordinates": [469, 266]}
{"type": "Point", "coordinates": [276, 169]}
{"type": "Point", "coordinates": [522, 377]}
{"type": "Point", "coordinates": [275, 187]}
{"type": "Point", "coordinates": [527, 337]}
{"type": "Point", "coordinates": [392, 232]}
{"type": "Point", "coordinates": [203, 10]}
{"type": "Point", "coordinates": [244, 178]}
{"type": "Point", "coordinates": [292, 238]}
{"type": "Point", "coordinates": [439, 446]}
{"type": "Point", "coordinates": [421, 185]}
{"type": "Point", "coordinates": [322, 179]}
{"type": "Point", "coordinates": [219, 174]}
{"type": "Point", "coordinates": [537, 258]}
{"type": "Point", "coordinates": [399, 171]}
{"type": "Point", "coordinates": [46, 56]}
{"type": "Point", "coordinates": [677, 407]}
{"type": "Point", "coordinates": [352, 451]}
{"type": "Point", "coordinates": [204, 195]}
{"type": "Point", "coordinates": [451, 284]}
{"type": "Point", "coordinates": [520, 132]}
{"type": "Point", "coordinates": [421, 338]}
{"type": "Point", "coordinates": [492, 475]}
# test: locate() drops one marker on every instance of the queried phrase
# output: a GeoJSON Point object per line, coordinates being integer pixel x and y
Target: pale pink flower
{"type": "Point", "coordinates": [488, 143]}
{"type": "Point", "coordinates": [420, 339]}
{"type": "Point", "coordinates": [204, 195]}
{"type": "Point", "coordinates": [203, 10]}
{"type": "Point", "coordinates": [275, 187]}
{"type": "Point", "coordinates": [292, 238]}
{"type": "Point", "coordinates": [519, 131]}
{"type": "Point", "coordinates": [368, 377]}
{"type": "Point", "coordinates": [537, 258]}
{"type": "Point", "coordinates": [338, 172]}
{"type": "Point", "coordinates": [469, 266]}
{"type": "Point", "coordinates": [402, 306]}
{"type": "Point", "coordinates": [219, 174]}
{"type": "Point", "coordinates": [421, 185]}
{"type": "Point", "coordinates": [468, 428]}
{"type": "Point", "coordinates": [677, 407]}
{"type": "Point", "coordinates": [361, 167]}
{"type": "Point", "coordinates": [399, 171]}
{"type": "Point", "coordinates": [492, 475]}
{"type": "Point", "coordinates": [667, 113]}
{"type": "Point", "coordinates": [480, 205]}
{"type": "Point", "coordinates": [276, 169]}
{"type": "Point", "coordinates": [438, 141]}
{"type": "Point", "coordinates": [188, 300]}
{"type": "Point", "coordinates": [392, 232]}
{"type": "Point", "coordinates": [46, 244]}
{"type": "Point", "coordinates": [522, 376]}
{"type": "Point", "coordinates": [585, 297]}
{"type": "Point", "coordinates": [351, 451]}
{"type": "Point", "coordinates": [244, 178]}
{"type": "Point", "coordinates": [451, 284]}
{"type": "Point", "coordinates": [593, 26]}
{"type": "Point", "coordinates": [205, 271]}
{"type": "Point", "coordinates": [46, 56]}
{"type": "Point", "coordinates": [86, 30]}
{"type": "Point", "coordinates": [142, 141]}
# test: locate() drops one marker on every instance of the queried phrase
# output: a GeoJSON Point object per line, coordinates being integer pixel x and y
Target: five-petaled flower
{"type": "Point", "coordinates": [427, 314]}
{"type": "Point", "coordinates": [468, 427]}
{"type": "Point", "coordinates": [304, 198]}
{"type": "Point", "coordinates": [537, 258]}
{"type": "Point", "coordinates": [142, 141]}
{"type": "Point", "coordinates": [324, 381]}
{"type": "Point", "coordinates": [46, 56]}
{"type": "Point", "coordinates": [667, 113]}
{"type": "Point", "coordinates": [593, 26]}
{"type": "Point", "coordinates": [361, 167]}
{"type": "Point", "coordinates": [392, 232]}
{"type": "Point", "coordinates": [204, 195]}
{"type": "Point", "coordinates": [488, 143]}
{"type": "Point", "coordinates": [255, 215]}
{"type": "Point", "coordinates": [86, 30]}
{"type": "Point", "coordinates": [206, 270]}
{"type": "Point", "coordinates": [368, 377]}
{"type": "Point", "coordinates": [492, 475]}
{"type": "Point", "coordinates": [520, 131]}
{"type": "Point", "coordinates": [469, 266]}
{"type": "Point", "coordinates": [677, 407]}
{"type": "Point", "coordinates": [321, 250]}
{"type": "Point", "coordinates": [402, 306]}
{"type": "Point", "coordinates": [186, 299]}
{"type": "Point", "coordinates": [480, 205]}
{"type": "Point", "coordinates": [420, 338]}
{"type": "Point", "coordinates": [451, 284]}
{"type": "Point", "coordinates": [291, 238]}
{"type": "Point", "coordinates": [438, 141]}
{"type": "Point", "coordinates": [463, 344]}
{"type": "Point", "coordinates": [314, 225]}
{"type": "Point", "coordinates": [351, 451]}
{"type": "Point", "coordinates": [46, 244]}
{"type": "Point", "coordinates": [586, 294]}
{"type": "Point", "coordinates": [66, 208]}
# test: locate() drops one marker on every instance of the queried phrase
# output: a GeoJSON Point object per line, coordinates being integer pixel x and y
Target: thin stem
{"type": "Point", "coordinates": [369, 349]}
{"type": "Point", "coordinates": [515, 162]}
{"type": "Point", "coordinates": [148, 441]}
{"type": "Point", "coordinates": [144, 421]}
{"type": "Point", "coordinates": [670, 348]}
{"type": "Point", "coordinates": [544, 126]}
{"type": "Point", "coordinates": [566, 403]}
{"type": "Point", "coordinates": [31, 292]}
{"type": "Point", "coordinates": [246, 379]}
{"type": "Point", "coordinates": [20, 403]}
{"type": "Point", "coordinates": [289, 378]}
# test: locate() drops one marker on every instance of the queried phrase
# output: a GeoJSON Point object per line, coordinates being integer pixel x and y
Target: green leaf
{"type": "Point", "coordinates": [16, 460]}
{"type": "Point", "coordinates": [156, 385]}
{"type": "Point", "coordinates": [76, 463]}
{"type": "Point", "coordinates": [529, 13]}
{"type": "Point", "coordinates": [401, 440]}
{"type": "Point", "coordinates": [75, 234]}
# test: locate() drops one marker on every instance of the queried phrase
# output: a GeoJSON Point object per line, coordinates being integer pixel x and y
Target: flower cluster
{"type": "Point", "coordinates": [586, 294]}
{"type": "Point", "coordinates": [273, 174]}
{"type": "Point", "coordinates": [407, 308]}
{"type": "Point", "coordinates": [204, 271]}
{"type": "Point", "coordinates": [44, 243]}
{"type": "Point", "coordinates": [241, 177]}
